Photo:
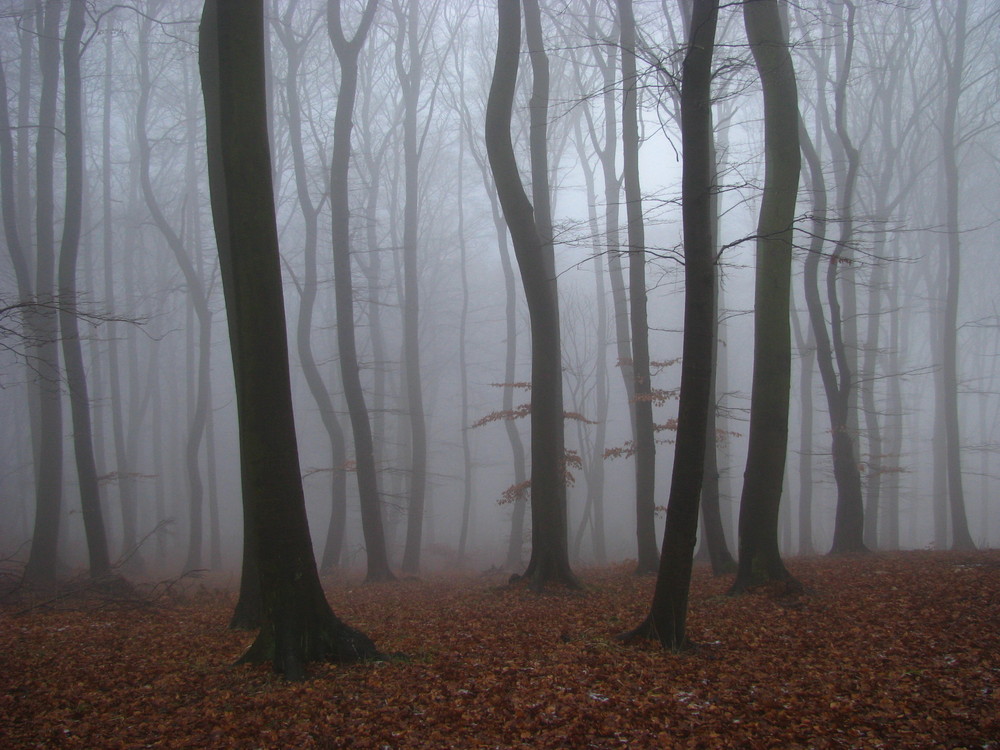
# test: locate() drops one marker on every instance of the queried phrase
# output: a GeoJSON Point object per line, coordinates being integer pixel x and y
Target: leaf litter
{"type": "Point", "coordinates": [884, 651]}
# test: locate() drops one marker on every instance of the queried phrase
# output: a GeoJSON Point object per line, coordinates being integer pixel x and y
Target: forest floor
{"type": "Point", "coordinates": [895, 651]}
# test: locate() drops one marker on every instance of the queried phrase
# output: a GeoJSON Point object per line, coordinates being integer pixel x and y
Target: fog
{"type": "Point", "coordinates": [152, 318]}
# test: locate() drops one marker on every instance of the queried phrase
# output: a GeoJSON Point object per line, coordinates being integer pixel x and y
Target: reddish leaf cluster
{"type": "Point", "coordinates": [884, 651]}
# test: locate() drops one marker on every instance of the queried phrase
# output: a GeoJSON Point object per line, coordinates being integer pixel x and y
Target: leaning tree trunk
{"type": "Point", "coordinates": [759, 556]}
{"type": "Point", "coordinates": [549, 549]}
{"type": "Point", "coordinates": [297, 625]}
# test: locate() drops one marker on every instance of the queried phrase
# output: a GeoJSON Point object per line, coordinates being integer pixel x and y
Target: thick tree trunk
{"type": "Point", "coordinates": [667, 619]}
{"type": "Point", "coordinates": [549, 553]}
{"type": "Point", "coordinates": [297, 624]}
{"type": "Point", "coordinates": [759, 556]}
{"type": "Point", "coordinates": [41, 566]}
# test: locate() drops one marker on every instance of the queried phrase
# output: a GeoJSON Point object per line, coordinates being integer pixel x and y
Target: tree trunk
{"type": "Point", "coordinates": [951, 241]}
{"type": "Point", "coordinates": [410, 80]}
{"type": "Point", "coordinates": [41, 565]}
{"type": "Point", "coordinates": [364, 450]}
{"type": "Point", "coordinates": [848, 533]}
{"type": "Point", "coordinates": [594, 462]}
{"type": "Point", "coordinates": [76, 376]}
{"type": "Point", "coordinates": [297, 625]}
{"type": "Point", "coordinates": [645, 445]}
{"type": "Point", "coordinates": [549, 550]}
{"type": "Point", "coordinates": [463, 365]}
{"type": "Point", "coordinates": [667, 619]}
{"type": "Point", "coordinates": [711, 491]}
{"type": "Point", "coordinates": [294, 51]}
{"type": "Point", "coordinates": [759, 556]}
{"type": "Point", "coordinates": [869, 364]}
{"type": "Point", "coordinates": [806, 345]}
{"type": "Point", "coordinates": [515, 541]}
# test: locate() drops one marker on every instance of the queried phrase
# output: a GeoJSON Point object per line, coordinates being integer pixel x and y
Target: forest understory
{"type": "Point", "coordinates": [892, 650]}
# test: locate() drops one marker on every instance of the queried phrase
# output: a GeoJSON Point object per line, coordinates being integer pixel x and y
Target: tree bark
{"type": "Point", "coordinates": [549, 550]}
{"type": "Point", "coordinates": [76, 376]}
{"type": "Point", "coordinates": [667, 619]}
{"type": "Point", "coordinates": [41, 565]}
{"type": "Point", "coordinates": [644, 443]}
{"type": "Point", "coordinates": [298, 625]}
{"type": "Point", "coordinates": [759, 555]}
{"type": "Point", "coordinates": [364, 450]}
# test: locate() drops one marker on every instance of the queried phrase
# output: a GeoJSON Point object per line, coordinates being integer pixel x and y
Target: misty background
{"type": "Point", "coordinates": [153, 325]}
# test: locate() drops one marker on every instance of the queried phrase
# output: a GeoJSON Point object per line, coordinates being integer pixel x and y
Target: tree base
{"type": "Point", "coordinates": [648, 631]}
{"type": "Point", "coordinates": [292, 642]}
{"type": "Point", "coordinates": [538, 576]}
{"type": "Point", "coordinates": [770, 574]}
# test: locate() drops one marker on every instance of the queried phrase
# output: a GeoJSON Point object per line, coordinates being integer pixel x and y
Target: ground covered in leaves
{"type": "Point", "coordinates": [895, 651]}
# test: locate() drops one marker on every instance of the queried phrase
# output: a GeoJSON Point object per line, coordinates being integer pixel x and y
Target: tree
{"type": "Point", "coordinates": [667, 618]}
{"type": "Point", "coordinates": [297, 625]}
{"type": "Point", "coordinates": [410, 77]}
{"type": "Point", "coordinates": [759, 557]}
{"type": "Point", "coordinates": [549, 561]}
{"type": "Point", "coordinates": [76, 376]}
{"type": "Point", "coordinates": [364, 450]}
{"type": "Point", "coordinates": [645, 444]}
{"type": "Point", "coordinates": [954, 65]}
{"type": "Point", "coordinates": [295, 46]}
{"type": "Point", "coordinates": [41, 566]}
{"type": "Point", "coordinates": [515, 539]}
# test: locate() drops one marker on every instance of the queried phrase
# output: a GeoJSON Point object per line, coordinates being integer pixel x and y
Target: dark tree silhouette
{"type": "Point", "coordinates": [364, 450]}
{"type": "Point", "coordinates": [41, 566]}
{"type": "Point", "coordinates": [76, 375]}
{"type": "Point", "coordinates": [645, 443]}
{"type": "Point", "coordinates": [549, 561]}
{"type": "Point", "coordinates": [297, 624]}
{"type": "Point", "coordinates": [667, 618]}
{"type": "Point", "coordinates": [759, 557]}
